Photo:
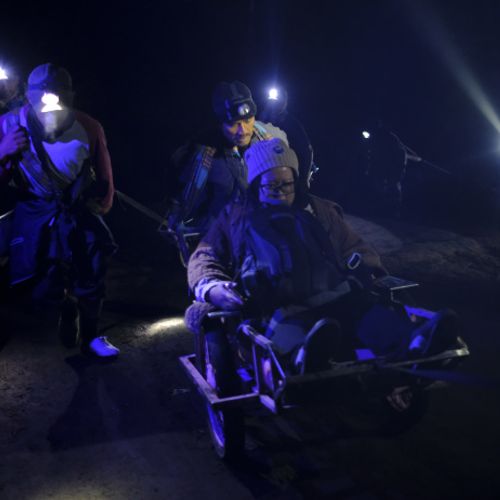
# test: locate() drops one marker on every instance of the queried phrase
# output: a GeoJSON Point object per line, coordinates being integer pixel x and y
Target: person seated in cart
{"type": "Point", "coordinates": [289, 259]}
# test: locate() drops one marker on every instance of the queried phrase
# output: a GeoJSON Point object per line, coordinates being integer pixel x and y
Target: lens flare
{"type": "Point", "coordinates": [51, 102]}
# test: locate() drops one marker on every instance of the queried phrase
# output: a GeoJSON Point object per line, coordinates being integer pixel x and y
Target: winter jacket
{"type": "Point", "coordinates": [221, 251]}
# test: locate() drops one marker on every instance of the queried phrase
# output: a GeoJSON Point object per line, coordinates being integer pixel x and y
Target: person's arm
{"type": "Point", "coordinates": [101, 160]}
{"type": "Point", "coordinates": [346, 241]}
{"type": "Point", "coordinates": [11, 143]}
{"type": "Point", "coordinates": [351, 243]}
{"type": "Point", "coordinates": [208, 268]}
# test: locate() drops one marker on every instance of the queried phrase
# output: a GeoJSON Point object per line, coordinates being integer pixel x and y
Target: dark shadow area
{"type": "Point", "coordinates": [111, 403]}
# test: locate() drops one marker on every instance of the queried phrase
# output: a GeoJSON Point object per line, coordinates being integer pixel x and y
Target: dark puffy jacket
{"type": "Point", "coordinates": [221, 252]}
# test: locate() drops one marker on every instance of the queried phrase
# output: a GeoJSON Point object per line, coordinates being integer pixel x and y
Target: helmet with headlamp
{"type": "Point", "coordinates": [232, 101]}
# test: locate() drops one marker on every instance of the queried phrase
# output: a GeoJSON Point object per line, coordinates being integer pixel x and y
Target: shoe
{"type": "Point", "coordinates": [101, 347]}
{"type": "Point", "coordinates": [69, 324]}
{"type": "Point", "coordinates": [321, 344]}
{"type": "Point", "coordinates": [436, 335]}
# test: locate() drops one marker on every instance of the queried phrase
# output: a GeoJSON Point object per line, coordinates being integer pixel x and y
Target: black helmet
{"type": "Point", "coordinates": [233, 101]}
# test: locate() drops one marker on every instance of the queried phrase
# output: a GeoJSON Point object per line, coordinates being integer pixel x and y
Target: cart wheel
{"type": "Point", "coordinates": [374, 414]}
{"type": "Point", "coordinates": [227, 427]}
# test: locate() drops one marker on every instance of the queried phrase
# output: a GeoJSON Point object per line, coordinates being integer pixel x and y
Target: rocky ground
{"type": "Point", "coordinates": [134, 429]}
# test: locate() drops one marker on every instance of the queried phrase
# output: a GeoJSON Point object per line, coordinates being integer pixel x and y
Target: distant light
{"type": "Point", "coordinates": [365, 134]}
{"type": "Point", "coordinates": [273, 94]}
{"type": "Point", "coordinates": [51, 102]}
{"type": "Point", "coordinates": [3, 74]}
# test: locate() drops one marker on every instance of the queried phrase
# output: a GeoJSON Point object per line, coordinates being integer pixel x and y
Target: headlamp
{"type": "Point", "coordinates": [243, 109]}
{"type": "Point", "coordinates": [365, 134]}
{"type": "Point", "coordinates": [239, 110]}
{"type": "Point", "coordinates": [51, 102]}
{"type": "Point", "coordinates": [3, 74]}
{"type": "Point", "coordinates": [273, 94]}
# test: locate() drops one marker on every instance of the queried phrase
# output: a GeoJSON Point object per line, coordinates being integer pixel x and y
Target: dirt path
{"type": "Point", "coordinates": [134, 429]}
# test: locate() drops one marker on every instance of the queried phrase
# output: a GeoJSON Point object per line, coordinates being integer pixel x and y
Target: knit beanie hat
{"type": "Point", "coordinates": [233, 101]}
{"type": "Point", "coordinates": [264, 155]}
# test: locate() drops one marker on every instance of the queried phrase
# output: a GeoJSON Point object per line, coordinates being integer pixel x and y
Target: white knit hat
{"type": "Point", "coordinates": [265, 155]}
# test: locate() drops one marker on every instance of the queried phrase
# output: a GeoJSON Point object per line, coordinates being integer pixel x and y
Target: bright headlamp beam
{"type": "Point", "coordinates": [443, 46]}
{"type": "Point", "coordinates": [477, 94]}
{"type": "Point", "coordinates": [51, 102]}
{"type": "Point", "coordinates": [365, 134]}
{"type": "Point", "coordinates": [165, 326]}
{"type": "Point", "coordinates": [3, 74]}
{"type": "Point", "coordinates": [273, 94]}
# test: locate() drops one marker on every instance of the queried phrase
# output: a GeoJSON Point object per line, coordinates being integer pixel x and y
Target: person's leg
{"type": "Point", "coordinates": [385, 330]}
{"type": "Point", "coordinates": [69, 322]}
{"type": "Point", "coordinates": [220, 360]}
{"type": "Point", "coordinates": [306, 339]}
{"type": "Point", "coordinates": [47, 292]}
{"type": "Point", "coordinates": [347, 311]}
{"type": "Point", "coordinates": [437, 334]}
{"type": "Point", "coordinates": [87, 281]}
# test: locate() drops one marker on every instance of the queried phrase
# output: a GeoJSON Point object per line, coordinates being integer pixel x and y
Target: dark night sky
{"type": "Point", "coordinates": [146, 70]}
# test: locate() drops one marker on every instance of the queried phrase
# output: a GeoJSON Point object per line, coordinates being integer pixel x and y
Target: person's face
{"type": "Point", "coordinates": [239, 132]}
{"type": "Point", "coordinates": [277, 186]}
{"type": "Point", "coordinates": [51, 120]}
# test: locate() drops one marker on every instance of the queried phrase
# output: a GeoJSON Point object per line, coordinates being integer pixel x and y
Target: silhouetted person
{"type": "Point", "coordinates": [383, 167]}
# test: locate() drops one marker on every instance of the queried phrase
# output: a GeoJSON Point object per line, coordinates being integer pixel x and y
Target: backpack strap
{"type": "Point", "coordinates": [201, 165]}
